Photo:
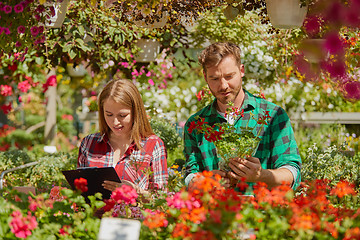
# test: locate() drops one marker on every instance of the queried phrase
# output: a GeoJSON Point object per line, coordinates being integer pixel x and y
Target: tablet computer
{"type": "Point", "coordinates": [95, 178]}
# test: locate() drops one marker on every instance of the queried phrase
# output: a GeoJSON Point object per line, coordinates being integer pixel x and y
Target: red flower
{"type": "Point", "coordinates": [110, 203]}
{"type": "Point", "coordinates": [81, 184]}
{"type": "Point", "coordinates": [6, 108]}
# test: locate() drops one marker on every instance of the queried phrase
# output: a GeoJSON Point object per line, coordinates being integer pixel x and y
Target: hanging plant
{"type": "Point", "coordinates": [22, 25]}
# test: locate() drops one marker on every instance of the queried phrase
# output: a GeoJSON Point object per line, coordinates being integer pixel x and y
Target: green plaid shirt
{"type": "Point", "coordinates": [277, 147]}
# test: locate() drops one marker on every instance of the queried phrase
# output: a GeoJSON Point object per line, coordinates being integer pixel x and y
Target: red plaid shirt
{"type": "Point", "coordinates": [147, 167]}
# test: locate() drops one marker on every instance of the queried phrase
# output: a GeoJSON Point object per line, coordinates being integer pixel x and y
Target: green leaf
{"type": "Point", "coordinates": [72, 53]}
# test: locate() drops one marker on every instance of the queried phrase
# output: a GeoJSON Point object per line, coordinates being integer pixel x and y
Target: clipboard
{"type": "Point", "coordinates": [95, 178]}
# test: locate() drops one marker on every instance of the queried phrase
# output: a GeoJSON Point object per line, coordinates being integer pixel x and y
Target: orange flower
{"type": "Point", "coordinates": [352, 233]}
{"type": "Point", "coordinates": [181, 230]}
{"type": "Point", "coordinates": [156, 220]}
{"type": "Point", "coordinates": [343, 188]}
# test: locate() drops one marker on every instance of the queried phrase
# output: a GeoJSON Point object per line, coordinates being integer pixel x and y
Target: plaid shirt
{"type": "Point", "coordinates": [147, 167]}
{"type": "Point", "coordinates": [277, 146]}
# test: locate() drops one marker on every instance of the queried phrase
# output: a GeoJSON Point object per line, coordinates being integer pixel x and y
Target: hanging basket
{"type": "Point", "coordinates": [78, 71]}
{"type": "Point", "coordinates": [150, 50]}
{"type": "Point", "coordinates": [286, 14]}
{"type": "Point", "coordinates": [57, 20]}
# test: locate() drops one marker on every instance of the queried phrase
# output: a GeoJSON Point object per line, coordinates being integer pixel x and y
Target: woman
{"type": "Point", "coordinates": [125, 141]}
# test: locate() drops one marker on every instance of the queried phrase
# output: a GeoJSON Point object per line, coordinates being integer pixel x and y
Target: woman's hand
{"type": "Point", "coordinates": [111, 185]}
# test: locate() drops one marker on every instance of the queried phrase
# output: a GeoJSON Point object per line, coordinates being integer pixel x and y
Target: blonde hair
{"type": "Point", "coordinates": [213, 54]}
{"type": "Point", "coordinates": [125, 92]}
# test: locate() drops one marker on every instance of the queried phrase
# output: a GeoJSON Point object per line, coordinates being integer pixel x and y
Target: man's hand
{"type": "Point", "coordinates": [225, 180]}
{"type": "Point", "coordinates": [249, 168]}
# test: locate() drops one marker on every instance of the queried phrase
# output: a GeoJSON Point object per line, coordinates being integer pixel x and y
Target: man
{"type": "Point", "coordinates": [277, 158]}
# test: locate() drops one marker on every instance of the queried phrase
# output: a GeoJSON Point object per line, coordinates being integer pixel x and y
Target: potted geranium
{"type": "Point", "coordinates": [231, 143]}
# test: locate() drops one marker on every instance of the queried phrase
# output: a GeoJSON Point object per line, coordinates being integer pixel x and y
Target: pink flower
{"type": "Point", "coordinates": [5, 90]}
{"type": "Point", "coordinates": [55, 194]}
{"type": "Point", "coordinates": [18, 8]}
{"type": "Point", "coordinates": [125, 194]}
{"type": "Point", "coordinates": [352, 15]}
{"type": "Point", "coordinates": [41, 29]}
{"type": "Point", "coordinates": [6, 30]}
{"type": "Point", "coordinates": [51, 81]}
{"type": "Point", "coordinates": [21, 29]}
{"type": "Point", "coordinates": [34, 31]}
{"type": "Point", "coordinates": [41, 8]}
{"type": "Point", "coordinates": [22, 226]}
{"type": "Point", "coordinates": [151, 82]}
{"type": "Point", "coordinates": [336, 69]}
{"type": "Point", "coordinates": [352, 90]}
{"type": "Point", "coordinates": [333, 43]}
{"type": "Point", "coordinates": [18, 44]}
{"type": "Point", "coordinates": [7, 9]}
{"type": "Point", "coordinates": [24, 86]}
{"type": "Point", "coordinates": [67, 117]}
{"type": "Point", "coordinates": [312, 25]}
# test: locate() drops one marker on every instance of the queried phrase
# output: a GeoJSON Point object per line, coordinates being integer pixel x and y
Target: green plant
{"type": "Point", "coordinates": [62, 214]}
{"type": "Point", "coordinates": [167, 132]}
{"type": "Point", "coordinates": [330, 163]}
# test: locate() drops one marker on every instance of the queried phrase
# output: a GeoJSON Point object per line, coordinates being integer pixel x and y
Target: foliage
{"type": "Point", "coordinates": [92, 35]}
{"type": "Point", "coordinates": [167, 132]}
{"type": "Point", "coordinates": [330, 163]}
{"type": "Point", "coordinates": [62, 214]}
{"type": "Point", "coordinates": [260, 51]}
{"type": "Point", "coordinates": [43, 175]}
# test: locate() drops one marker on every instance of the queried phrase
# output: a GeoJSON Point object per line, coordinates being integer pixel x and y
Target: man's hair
{"type": "Point", "coordinates": [213, 54]}
{"type": "Point", "coordinates": [125, 92]}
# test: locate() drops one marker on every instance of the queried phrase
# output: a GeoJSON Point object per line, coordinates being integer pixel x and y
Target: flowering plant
{"type": "Point", "coordinates": [92, 104]}
{"type": "Point", "coordinates": [230, 142]}
{"type": "Point", "coordinates": [19, 25]}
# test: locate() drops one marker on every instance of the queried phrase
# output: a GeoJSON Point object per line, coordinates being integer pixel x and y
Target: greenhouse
{"type": "Point", "coordinates": [179, 119]}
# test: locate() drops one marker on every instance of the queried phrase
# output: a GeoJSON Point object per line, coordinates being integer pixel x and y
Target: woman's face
{"type": "Point", "coordinates": [118, 118]}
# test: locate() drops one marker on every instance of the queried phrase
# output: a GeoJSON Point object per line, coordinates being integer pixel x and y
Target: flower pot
{"type": "Point", "coordinates": [156, 24]}
{"type": "Point", "coordinates": [78, 71]}
{"type": "Point", "coordinates": [314, 50]}
{"type": "Point", "coordinates": [57, 20]}
{"type": "Point", "coordinates": [286, 14]}
{"type": "Point", "coordinates": [150, 50]}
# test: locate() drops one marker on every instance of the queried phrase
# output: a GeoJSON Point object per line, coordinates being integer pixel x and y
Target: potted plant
{"type": "Point", "coordinates": [286, 14]}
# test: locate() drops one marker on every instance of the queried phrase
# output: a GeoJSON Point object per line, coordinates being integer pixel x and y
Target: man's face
{"type": "Point", "coordinates": [225, 81]}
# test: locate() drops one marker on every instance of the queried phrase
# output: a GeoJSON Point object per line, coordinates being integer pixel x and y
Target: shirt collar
{"type": "Point", "coordinates": [249, 103]}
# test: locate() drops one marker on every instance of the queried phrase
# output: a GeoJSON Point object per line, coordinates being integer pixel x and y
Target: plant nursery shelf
{"type": "Point", "coordinates": [327, 117]}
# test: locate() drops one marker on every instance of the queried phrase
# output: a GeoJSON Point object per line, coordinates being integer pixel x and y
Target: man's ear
{"type": "Point", "coordinates": [242, 70]}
